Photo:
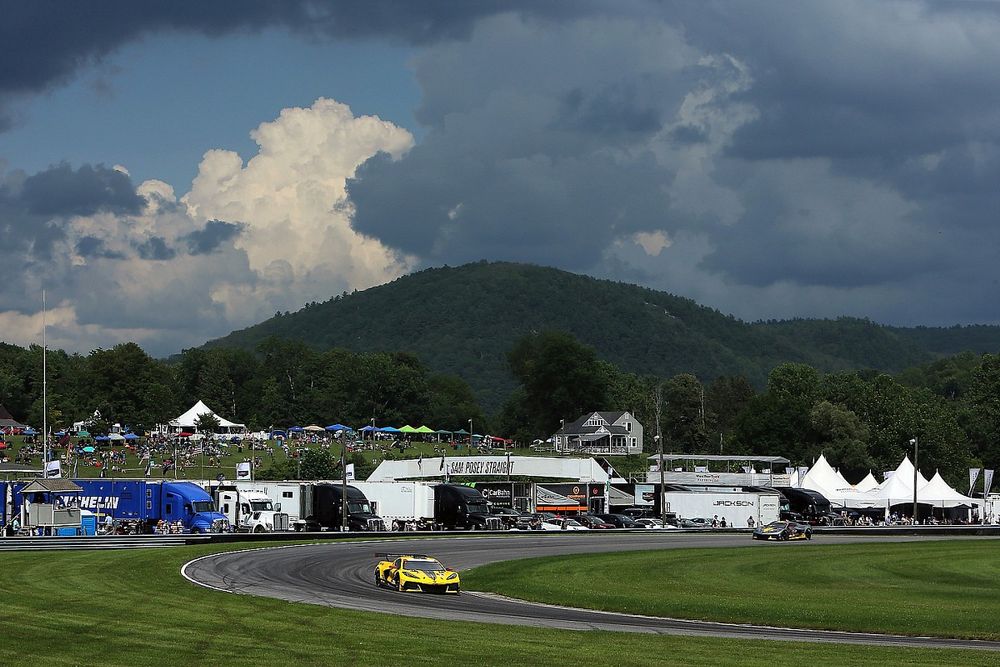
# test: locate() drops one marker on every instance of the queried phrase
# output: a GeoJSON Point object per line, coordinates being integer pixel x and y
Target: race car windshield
{"type": "Point", "coordinates": [424, 566]}
{"type": "Point", "coordinates": [260, 505]}
{"type": "Point", "coordinates": [203, 506]}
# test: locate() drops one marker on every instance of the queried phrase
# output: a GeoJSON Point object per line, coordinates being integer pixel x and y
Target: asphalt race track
{"type": "Point", "coordinates": [340, 574]}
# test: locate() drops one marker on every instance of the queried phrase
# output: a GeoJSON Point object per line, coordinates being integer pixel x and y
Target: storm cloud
{"type": "Point", "coordinates": [766, 159]}
{"type": "Point", "coordinates": [214, 234]}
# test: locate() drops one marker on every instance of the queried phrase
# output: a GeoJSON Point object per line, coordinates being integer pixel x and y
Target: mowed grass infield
{"type": "Point", "coordinates": [948, 588]}
{"type": "Point", "coordinates": [134, 608]}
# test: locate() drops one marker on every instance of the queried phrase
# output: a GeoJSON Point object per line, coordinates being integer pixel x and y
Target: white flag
{"type": "Point", "coordinates": [53, 469]}
{"type": "Point", "coordinates": [973, 476]}
{"type": "Point", "coordinates": [987, 481]}
{"type": "Point", "coordinates": [350, 471]}
{"type": "Point", "coordinates": [243, 470]}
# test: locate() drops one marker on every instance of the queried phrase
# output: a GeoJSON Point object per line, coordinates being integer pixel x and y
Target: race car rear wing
{"type": "Point", "coordinates": [391, 556]}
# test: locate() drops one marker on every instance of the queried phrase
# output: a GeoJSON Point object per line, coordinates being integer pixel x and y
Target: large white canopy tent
{"type": "Point", "coordinates": [897, 489]}
{"type": "Point", "coordinates": [189, 420]}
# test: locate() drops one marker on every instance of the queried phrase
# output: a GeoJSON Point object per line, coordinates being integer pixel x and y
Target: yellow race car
{"type": "Point", "coordinates": [415, 572]}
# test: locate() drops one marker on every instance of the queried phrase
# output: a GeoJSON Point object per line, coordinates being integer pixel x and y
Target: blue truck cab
{"type": "Point", "coordinates": [148, 502]}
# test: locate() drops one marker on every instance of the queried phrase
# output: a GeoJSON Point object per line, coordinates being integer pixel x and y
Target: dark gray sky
{"type": "Point", "coordinates": [173, 172]}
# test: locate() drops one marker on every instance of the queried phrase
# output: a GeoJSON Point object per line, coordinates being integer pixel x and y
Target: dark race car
{"type": "Point", "coordinates": [783, 530]}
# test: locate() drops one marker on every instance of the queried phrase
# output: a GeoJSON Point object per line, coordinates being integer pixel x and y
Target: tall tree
{"type": "Point", "coordinates": [562, 378]}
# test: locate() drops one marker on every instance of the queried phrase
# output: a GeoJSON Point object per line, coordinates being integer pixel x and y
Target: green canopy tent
{"type": "Point", "coordinates": [407, 429]}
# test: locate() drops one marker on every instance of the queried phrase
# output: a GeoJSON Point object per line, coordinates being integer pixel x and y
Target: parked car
{"type": "Point", "coordinates": [656, 524]}
{"type": "Point", "coordinates": [638, 512]}
{"type": "Point", "coordinates": [594, 522]}
{"type": "Point", "coordinates": [619, 520]}
{"type": "Point", "coordinates": [563, 523]}
{"type": "Point", "coordinates": [696, 522]}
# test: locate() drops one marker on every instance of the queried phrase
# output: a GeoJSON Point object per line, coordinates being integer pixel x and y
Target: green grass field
{"type": "Point", "coordinates": [134, 608]}
{"type": "Point", "coordinates": [949, 588]}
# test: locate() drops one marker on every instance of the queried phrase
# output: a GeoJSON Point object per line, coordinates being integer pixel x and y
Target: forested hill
{"type": "Point", "coordinates": [464, 320]}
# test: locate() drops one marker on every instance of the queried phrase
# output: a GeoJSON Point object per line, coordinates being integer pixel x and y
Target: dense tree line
{"type": "Point", "coordinates": [282, 383]}
{"type": "Point", "coordinates": [861, 420]}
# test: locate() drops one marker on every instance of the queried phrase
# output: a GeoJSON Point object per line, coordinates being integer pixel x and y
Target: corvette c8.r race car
{"type": "Point", "coordinates": [783, 530]}
{"type": "Point", "coordinates": [416, 572]}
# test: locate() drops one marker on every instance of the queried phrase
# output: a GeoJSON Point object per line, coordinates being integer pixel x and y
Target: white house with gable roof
{"type": "Point", "coordinates": [610, 433]}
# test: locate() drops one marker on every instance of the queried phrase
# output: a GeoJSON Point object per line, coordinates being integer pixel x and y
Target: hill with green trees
{"type": "Point", "coordinates": [464, 321]}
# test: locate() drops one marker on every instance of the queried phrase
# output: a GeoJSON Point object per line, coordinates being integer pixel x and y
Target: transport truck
{"type": "Point", "coordinates": [249, 510]}
{"type": "Point", "coordinates": [459, 507]}
{"type": "Point", "coordinates": [735, 507]}
{"type": "Point", "coordinates": [316, 506]}
{"type": "Point", "coordinates": [402, 505]}
{"type": "Point", "coordinates": [140, 503]}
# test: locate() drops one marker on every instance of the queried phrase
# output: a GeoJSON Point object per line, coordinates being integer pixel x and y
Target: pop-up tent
{"type": "Point", "coordinates": [188, 421]}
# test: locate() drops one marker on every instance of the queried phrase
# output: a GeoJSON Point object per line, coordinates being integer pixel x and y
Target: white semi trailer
{"type": "Point", "coordinates": [735, 507]}
{"type": "Point", "coordinates": [402, 505]}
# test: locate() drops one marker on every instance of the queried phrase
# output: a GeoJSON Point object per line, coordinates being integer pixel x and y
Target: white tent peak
{"type": "Point", "coordinates": [189, 420]}
{"type": "Point", "coordinates": [823, 478]}
{"type": "Point", "coordinates": [867, 484]}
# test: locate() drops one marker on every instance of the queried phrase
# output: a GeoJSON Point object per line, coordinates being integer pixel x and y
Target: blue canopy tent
{"type": "Point", "coordinates": [389, 429]}
{"type": "Point", "coordinates": [102, 438]}
{"type": "Point", "coordinates": [131, 436]}
{"type": "Point", "coordinates": [30, 431]}
{"type": "Point", "coordinates": [339, 427]}
{"type": "Point", "coordinates": [295, 429]}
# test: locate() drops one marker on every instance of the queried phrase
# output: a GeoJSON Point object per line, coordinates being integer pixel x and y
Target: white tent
{"type": "Point", "coordinates": [188, 421]}
{"type": "Point", "coordinates": [823, 478]}
{"type": "Point", "coordinates": [904, 473]}
{"type": "Point", "coordinates": [937, 492]}
{"type": "Point", "coordinates": [869, 483]}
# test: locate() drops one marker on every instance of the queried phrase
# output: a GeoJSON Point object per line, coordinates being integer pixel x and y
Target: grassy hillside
{"type": "Point", "coordinates": [463, 320]}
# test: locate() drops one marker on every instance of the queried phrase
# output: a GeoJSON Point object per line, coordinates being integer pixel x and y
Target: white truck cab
{"type": "Point", "coordinates": [250, 511]}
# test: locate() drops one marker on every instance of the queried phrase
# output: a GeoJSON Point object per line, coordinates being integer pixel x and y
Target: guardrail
{"type": "Point", "coordinates": [160, 541]}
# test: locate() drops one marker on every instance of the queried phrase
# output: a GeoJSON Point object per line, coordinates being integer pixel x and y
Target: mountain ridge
{"type": "Point", "coordinates": [463, 320]}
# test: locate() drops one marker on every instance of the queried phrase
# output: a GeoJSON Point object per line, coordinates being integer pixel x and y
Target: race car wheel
{"type": "Point", "coordinates": [378, 580]}
{"type": "Point", "coordinates": [399, 584]}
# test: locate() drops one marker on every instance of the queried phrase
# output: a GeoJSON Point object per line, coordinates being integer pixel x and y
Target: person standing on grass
{"type": "Point", "coordinates": [750, 521]}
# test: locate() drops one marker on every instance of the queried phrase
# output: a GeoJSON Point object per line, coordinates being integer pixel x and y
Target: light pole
{"type": "Point", "coordinates": [659, 450]}
{"type": "Point", "coordinates": [470, 435]}
{"type": "Point", "coordinates": [373, 432]}
{"type": "Point", "coordinates": [562, 434]}
{"type": "Point", "coordinates": [343, 497]}
{"type": "Point", "coordinates": [916, 449]}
